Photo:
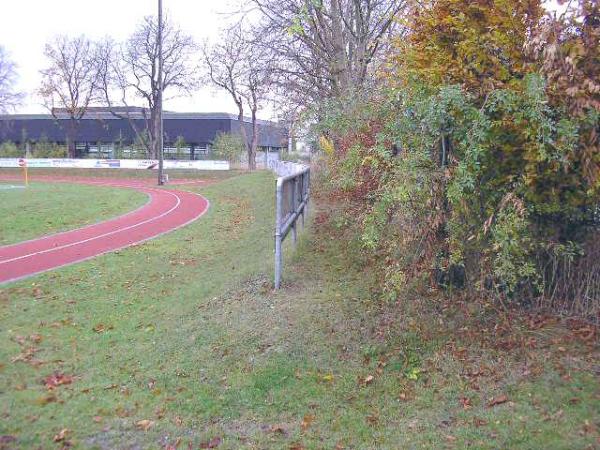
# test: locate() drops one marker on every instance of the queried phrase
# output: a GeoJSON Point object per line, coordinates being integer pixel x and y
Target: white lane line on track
{"type": "Point", "coordinates": [72, 244]}
{"type": "Point", "coordinates": [60, 233]}
{"type": "Point", "coordinates": [88, 258]}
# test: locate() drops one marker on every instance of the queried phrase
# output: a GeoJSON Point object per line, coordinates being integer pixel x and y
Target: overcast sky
{"type": "Point", "coordinates": [26, 25]}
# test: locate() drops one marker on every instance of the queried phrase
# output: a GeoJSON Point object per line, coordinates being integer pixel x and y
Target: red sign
{"type": "Point", "coordinates": [22, 162]}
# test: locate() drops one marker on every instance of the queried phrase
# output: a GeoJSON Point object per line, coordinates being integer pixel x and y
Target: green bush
{"type": "Point", "coordinates": [474, 194]}
{"type": "Point", "coordinates": [490, 186]}
{"type": "Point", "coordinates": [43, 148]}
{"type": "Point", "coordinates": [228, 146]}
{"type": "Point", "coordinates": [10, 150]}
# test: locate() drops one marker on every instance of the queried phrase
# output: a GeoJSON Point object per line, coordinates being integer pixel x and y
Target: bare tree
{"type": "Point", "coordinates": [70, 82]}
{"type": "Point", "coordinates": [9, 98]}
{"type": "Point", "coordinates": [242, 66]}
{"type": "Point", "coordinates": [130, 74]}
{"type": "Point", "coordinates": [327, 47]}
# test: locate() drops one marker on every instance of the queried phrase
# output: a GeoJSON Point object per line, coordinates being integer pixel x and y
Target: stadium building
{"type": "Point", "coordinates": [104, 133]}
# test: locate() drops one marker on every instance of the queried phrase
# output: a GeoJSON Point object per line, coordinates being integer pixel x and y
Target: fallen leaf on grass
{"type": "Point", "coordinates": [123, 412]}
{"type": "Point", "coordinates": [307, 421]}
{"type": "Point", "coordinates": [174, 445]}
{"type": "Point", "coordinates": [373, 419]}
{"type": "Point", "coordinates": [465, 402]}
{"type": "Point", "coordinates": [36, 338]}
{"type": "Point", "coordinates": [327, 377]}
{"type": "Point", "coordinates": [213, 443]}
{"type": "Point", "coordinates": [42, 401]}
{"type": "Point", "coordinates": [588, 427]}
{"type": "Point", "coordinates": [368, 379]}
{"type": "Point", "coordinates": [278, 429]}
{"type": "Point", "coordinates": [101, 328]}
{"type": "Point", "coordinates": [57, 379]}
{"type": "Point", "coordinates": [62, 435]}
{"type": "Point", "coordinates": [144, 424]}
{"type": "Point", "coordinates": [25, 356]}
{"type": "Point", "coordinates": [497, 401]}
{"type": "Point", "coordinates": [479, 422]}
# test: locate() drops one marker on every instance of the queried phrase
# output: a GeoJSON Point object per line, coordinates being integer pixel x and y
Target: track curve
{"type": "Point", "coordinates": [165, 211]}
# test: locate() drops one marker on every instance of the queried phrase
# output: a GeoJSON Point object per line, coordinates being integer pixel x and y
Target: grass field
{"type": "Point", "coordinates": [45, 208]}
{"type": "Point", "coordinates": [124, 173]}
{"type": "Point", "coordinates": [182, 343]}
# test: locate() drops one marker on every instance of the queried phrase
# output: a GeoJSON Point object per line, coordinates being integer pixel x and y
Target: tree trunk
{"type": "Point", "coordinates": [71, 132]}
{"type": "Point", "coordinates": [153, 133]}
{"type": "Point", "coordinates": [254, 144]}
{"type": "Point", "coordinates": [251, 159]}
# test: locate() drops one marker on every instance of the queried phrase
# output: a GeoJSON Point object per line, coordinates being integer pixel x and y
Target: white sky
{"type": "Point", "coordinates": [26, 25]}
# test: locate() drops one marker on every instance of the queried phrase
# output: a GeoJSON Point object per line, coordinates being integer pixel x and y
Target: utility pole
{"type": "Point", "coordinates": [159, 99]}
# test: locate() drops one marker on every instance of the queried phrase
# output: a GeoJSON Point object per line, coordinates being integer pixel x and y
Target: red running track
{"type": "Point", "coordinates": [165, 211]}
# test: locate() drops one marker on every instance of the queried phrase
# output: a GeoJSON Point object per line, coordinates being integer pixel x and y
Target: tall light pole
{"type": "Point", "coordinates": [159, 99]}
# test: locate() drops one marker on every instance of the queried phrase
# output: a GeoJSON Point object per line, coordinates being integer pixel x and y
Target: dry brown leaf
{"type": "Point", "coordinates": [36, 338]}
{"type": "Point", "coordinates": [101, 328]}
{"type": "Point", "coordinates": [25, 356]}
{"type": "Point", "coordinates": [278, 428]}
{"type": "Point", "coordinates": [307, 421]}
{"type": "Point", "coordinates": [144, 424]}
{"type": "Point", "coordinates": [213, 443]}
{"type": "Point", "coordinates": [465, 402]}
{"type": "Point", "coordinates": [497, 400]}
{"type": "Point", "coordinates": [479, 422]}
{"type": "Point", "coordinates": [57, 379]}
{"type": "Point", "coordinates": [62, 435]}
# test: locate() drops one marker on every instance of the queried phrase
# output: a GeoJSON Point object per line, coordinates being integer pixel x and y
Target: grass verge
{"type": "Point", "coordinates": [182, 342]}
{"type": "Point", "coordinates": [209, 175]}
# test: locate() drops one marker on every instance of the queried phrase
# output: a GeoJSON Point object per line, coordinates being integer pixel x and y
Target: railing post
{"type": "Point", "coordinates": [278, 237]}
{"type": "Point", "coordinates": [302, 195]}
{"type": "Point", "coordinates": [295, 208]}
{"type": "Point", "coordinates": [299, 183]}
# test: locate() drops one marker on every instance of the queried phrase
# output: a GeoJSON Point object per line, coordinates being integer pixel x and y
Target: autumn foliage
{"type": "Point", "coordinates": [477, 44]}
{"type": "Point", "coordinates": [476, 163]}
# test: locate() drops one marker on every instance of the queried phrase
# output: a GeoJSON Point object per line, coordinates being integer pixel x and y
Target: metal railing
{"type": "Point", "coordinates": [293, 193]}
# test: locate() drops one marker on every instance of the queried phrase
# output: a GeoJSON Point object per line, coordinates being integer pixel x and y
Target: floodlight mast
{"type": "Point", "coordinates": [160, 96]}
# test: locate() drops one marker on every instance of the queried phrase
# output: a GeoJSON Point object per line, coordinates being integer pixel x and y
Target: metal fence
{"type": "Point", "coordinates": [293, 192]}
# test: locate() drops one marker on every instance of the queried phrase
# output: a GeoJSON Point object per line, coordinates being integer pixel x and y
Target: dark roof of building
{"type": "Point", "coordinates": [120, 112]}
{"type": "Point", "coordinates": [102, 125]}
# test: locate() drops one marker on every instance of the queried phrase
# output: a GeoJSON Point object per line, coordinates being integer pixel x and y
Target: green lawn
{"type": "Point", "coordinates": [45, 208]}
{"type": "Point", "coordinates": [181, 341]}
{"type": "Point", "coordinates": [123, 173]}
